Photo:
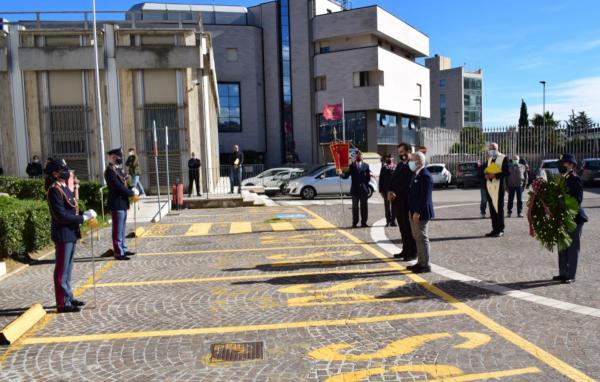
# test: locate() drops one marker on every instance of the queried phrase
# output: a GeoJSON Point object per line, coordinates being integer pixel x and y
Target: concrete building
{"type": "Point", "coordinates": [159, 73]}
{"type": "Point", "coordinates": [278, 64]}
{"type": "Point", "coordinates": [456, 95]}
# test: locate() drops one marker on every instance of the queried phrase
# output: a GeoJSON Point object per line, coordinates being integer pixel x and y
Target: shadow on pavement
{"type": "Point", "coordinates": [291, 266]}
{"type": "Point", "coordinates": [313, 279]}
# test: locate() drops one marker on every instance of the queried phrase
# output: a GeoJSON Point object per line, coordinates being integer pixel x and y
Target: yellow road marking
{"type": "Point", "coordinates": [310, 256]}
{"type": "Point", "coordinates": [355, 299]}
{"type": "Point", "coordinates": [240, 278]}
{"type": "Point", "coordinates": [487, 376]}
{"type": "Point", "coordinates": [238, 329]}
{"type": "Point", "coordinates": [238, 250]}
{"type": "Point", "coordinates": [539, 353]}
{"type": "Point", "coordinates": [158, 230]}
{"type": "Point", "coordinates": [320, 224]}
{"type": "Point", "coordinates": [240, 227]}
{"type": "Point", "coordinates": [282, 226]}
{"type": "Point", "coordinates": [198, 229]}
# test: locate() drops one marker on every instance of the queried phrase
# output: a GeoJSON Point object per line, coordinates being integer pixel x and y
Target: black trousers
{"type": "Point", "coordinates": [400, 207]}
{"type": "Point", "coordinates": [364, 209]}
{"type": "Point", "coordinates": [497, 216]}
{"type": "Point", "coordinates": [389, 210]}
{"type": "Point", "coordinates": [567, 259]}
{"type": "Point", "coordinates": [512, 191]}
{"type": "Point", "coordinates": [194, 178]}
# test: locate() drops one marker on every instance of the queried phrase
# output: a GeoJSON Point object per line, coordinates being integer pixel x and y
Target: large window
{"type": "Point", "coordinates": [356, 129]}
{"type": "Point", "coordinates": [287, 112]}
{"type": "Point", "coordinates": [472, 100]}
{"type": "Point", "coordinates": [387, 129]}
{"type": "Point", "coordinates": [229, 111]}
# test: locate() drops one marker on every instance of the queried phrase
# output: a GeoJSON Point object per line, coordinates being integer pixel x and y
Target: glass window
{"type": "Point", "coordinates": [331, 173]}
{"type": "Point", "coordinates": [387, 129]}
{"type": "Point", "coordinates": [356, 129]}
{"type": "Point", "coordinates": [443, 108]}
{"type": "Point", "coordinates": [442, 82]}
{"type": "Point", "coordinates": [229, 111]}
{"type": "Point", "coordinates": [324, 49]}
{"type": "Point", "coordinates": [321, 83]}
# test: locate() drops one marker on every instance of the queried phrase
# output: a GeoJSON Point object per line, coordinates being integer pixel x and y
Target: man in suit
{"type": "Point", "coordinates": [194, 174]}
{"type": "Point", "coordinates": [361, 175]}
{"type": "Point", "coordinates": [118, 202]}
{"type": "Point", "coordinates": [398, 195]}
{"type": "Point", "coordinates": [235, 177]}
{"type": "Point", "coordinates": [495, 172]}
{"type": "Point", "coordinates": [385, 178]}
{"type": "Point", "coordinates": [420, 207]}
{"type": "Point", "coordinates": [567, 259]}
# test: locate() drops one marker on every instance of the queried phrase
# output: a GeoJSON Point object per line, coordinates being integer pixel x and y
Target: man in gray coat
{"type": "Point", "coordinates": [516, 182]}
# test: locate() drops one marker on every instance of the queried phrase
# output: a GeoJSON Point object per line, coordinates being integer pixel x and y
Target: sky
{"type": "Point", "coordinates": [517, 43]}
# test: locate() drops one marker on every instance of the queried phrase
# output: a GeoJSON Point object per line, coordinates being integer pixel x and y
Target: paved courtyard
{"type": "Point", "coordinates": [287, 293]}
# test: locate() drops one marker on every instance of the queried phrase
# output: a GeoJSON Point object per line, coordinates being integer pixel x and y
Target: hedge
{"type": "Point", "coordinates": [24, 226]}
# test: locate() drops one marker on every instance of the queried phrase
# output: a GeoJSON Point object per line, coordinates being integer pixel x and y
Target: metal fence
{"type": "Point", "coordinates": [532, 143]}
{"type": "Point", "coordinates": [225, 177]}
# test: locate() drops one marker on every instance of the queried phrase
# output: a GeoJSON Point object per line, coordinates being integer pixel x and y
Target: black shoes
{"type": "Point", "coordinates": [364, 225]}
{"type": "Point", "coordinates": [568, 281]}
{"type": "Point", "coordinates": [405, 256]}
{"type": "Point", "coordinates": [418, 268]}
{"type": "Point", "coordinates": [353, 225]}
{"type": "Point", "coordinates": [122, 258]}
{"type": "Point", "coordinates": [520, 215]}
{"type": "Point", "coordinates": [68, 309]}
{"type": "Point", "coordinates": [558, 278]}
{"type": "Point", "coordinates": [75, 302]}
{"type": "Point", "coordinates": [129, 253]}
{"type": "Point", "coordinates": [495, 234]}
{"type": "Point", "coordinates": [392, 224]}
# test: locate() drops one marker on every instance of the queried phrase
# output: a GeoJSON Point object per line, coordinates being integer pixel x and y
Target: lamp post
{"type": "Point", "coordinates": [419, 101]}
{"type": "Point", "coordinates": [544, 112]}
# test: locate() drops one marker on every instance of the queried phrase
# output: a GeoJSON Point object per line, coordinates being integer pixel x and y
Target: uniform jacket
{"type": "Point", "coordinates": [420, 195]}
{"type": "Point", "coordinates": [361, 175]}
{"type": "Point", "coordinates": [575, 186]}
{"type": "Point", "coordinates": [118, 190]}
{"type": "Point", "coordinates": [517, 176]}
{"type": "Point", "coordinates": [133, 165]}
{"type": "Point", "coordinates": [194, 165]}
{"type": "Point", "coordinates": [385, 177]}
{"type": "Point", "coordinates": [65, 217]}
{"type": "Point", "coordinates": [400, 181]}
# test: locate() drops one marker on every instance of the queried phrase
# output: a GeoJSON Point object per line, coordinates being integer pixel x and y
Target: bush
{"type": "Point", "coordinates": [24, 226]}
{"type": "Point", "coordinates": [22, 188]}
{"type": "Point", "coordinates": [89, 194]}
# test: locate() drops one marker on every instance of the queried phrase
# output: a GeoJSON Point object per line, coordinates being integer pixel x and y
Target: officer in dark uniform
{"type": "Point", "coordinates": [567, 259]}
{"type": "Point", "coordinates": [360, 173]}
{"type": "Point", "coordinates": [118, 202]}
{"type": "Point", "coordinates": [65, 232]}
{"type": "Point", "coordinates": [194, 174]}
{"type": "Point", "coordinates": [385, 178]}
{"type": "Point", "coordinates": [398, 194]}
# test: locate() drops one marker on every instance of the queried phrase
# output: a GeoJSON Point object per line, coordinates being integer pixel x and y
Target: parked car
{"type": "Point", "coordinates": [549, 167]}
{"type": "Point", "coordinates": [467, 174]}
{"type": "Point", "coordinates": [590, 171]}
{"type": "Point", "coordinates": [440, 174]}
{"type": "Point", "coordinates": [280, 181]}
{"type": "Point", "coordinates": [264, 177]}
{"type": "Point", "coordinates": [323, 181]}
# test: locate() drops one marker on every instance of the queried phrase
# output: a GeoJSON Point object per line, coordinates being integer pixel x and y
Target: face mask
{"type": "Point", "coordinates": [412, 165]}
{"type": "Point", "coordinates": [131, 153]}
{"type": "Point", "coordinates": [36, 161]}
{"type": "Point", "coordinates": [65, 175]}
{"type": "Point", "coordinates": [403, 158]}
{"type": "Point", "coordinates": [516, 162]}
{"type": "Point", "coordinates": [493, 153]}
{"type": "Point", "coordinates": [119, 160]}
{"type": "Point", "coordinates": [389, 161]}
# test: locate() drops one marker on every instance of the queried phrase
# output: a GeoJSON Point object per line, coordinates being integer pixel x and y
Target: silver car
{"type": "Point", "coordinates": [323, 181]}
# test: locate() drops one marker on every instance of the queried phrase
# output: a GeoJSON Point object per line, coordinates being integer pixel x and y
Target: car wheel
{"type": "Point", "coordinates": [249, 185]}
{"type": "Point", "coordinates": [371, 192]}
{"type": "Point", "coordinates": [308, 193]}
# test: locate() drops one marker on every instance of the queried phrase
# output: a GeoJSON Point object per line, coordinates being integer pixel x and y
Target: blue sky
{"type": "Point", "coordinates": [516, 42]}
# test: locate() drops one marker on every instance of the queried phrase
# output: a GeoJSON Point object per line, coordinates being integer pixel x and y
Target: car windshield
{"type": "Point", "coordinates": [435, 169]}
{"type": "Point", "coordinates": [592, 165]}
{"type": "Point", "coordinates": [467, 166]}
{"type": "Point", "coordinates": [553, 164]}
{"type": "Point", "coordinates": [269, 173]}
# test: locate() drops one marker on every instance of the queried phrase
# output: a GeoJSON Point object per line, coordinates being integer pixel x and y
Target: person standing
{"type": "Point", "coordinates": [194, 165]}
{"type": "Point", "coordinates": [398, 194]}
{"type": "Point", "coordinates": [516, 182]}
{"type": "Point", "coordinates": [495, 172]}
{"type": "Point", "coordinates": [133, 168]}
{"type": "Point", "coordinates": [568, 258]}
{"type": "Point", "coordinates": [235, 177]}
{"type": "Point", "coordinates": [420, 208]}
{"type": "Point", "coordinates": [482, 188]}
{"type": "Point", "coordinates": [34, 168]}
{"type": "Point", "coordinates": [65, 232]}
{"type": "Point", "coordinates": [360, 173]}
{"type": "Point", "coordinates": [385, 178]}
{"type": "Point", "coordinates": [118, 202]}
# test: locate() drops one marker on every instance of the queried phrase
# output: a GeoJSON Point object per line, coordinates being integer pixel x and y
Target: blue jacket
{"type": "Point", "coordinates": [361, 176]}
{"type": "Point", "coordinates": [420, 195]}
{"type": "Point", "coordinates": [575, 186]}
{"type": "Point", "coordinates": [118, 190]}
{"type": "Point", "coordinates": [65, 219]}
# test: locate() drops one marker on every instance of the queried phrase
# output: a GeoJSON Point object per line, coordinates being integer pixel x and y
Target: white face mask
{"type": "Point", "coordinates": [412, 165]}
{"type": "Point", "coordinates": [493, 153]}
{"type": "Point", "coordinates": [131, 153]}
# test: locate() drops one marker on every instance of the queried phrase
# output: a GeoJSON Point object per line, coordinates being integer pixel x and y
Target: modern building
{"type": "Point", "coordinates": [456, 95]}
{"type": "Point", "coordinates": [278, 64]}
{"type": "Point", "coordinates": [159, 74]}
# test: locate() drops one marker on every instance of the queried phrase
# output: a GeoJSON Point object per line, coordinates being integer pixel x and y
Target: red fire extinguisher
{"type": "Point", "coordinates": [180, 195]}
{"type": "Point", "coordinates": [175, 201]}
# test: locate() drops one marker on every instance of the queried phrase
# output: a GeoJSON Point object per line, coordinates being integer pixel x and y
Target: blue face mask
{"type": "Point", "coordinates": [412, 165]}
{"type": "Point", "coordinates": [65, 175]}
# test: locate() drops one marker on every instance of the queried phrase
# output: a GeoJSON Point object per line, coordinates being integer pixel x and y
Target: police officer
{"type": "Point", "coordinates": [385, 178]}
{"type": "Point", "coordinates": [118, 202]}
{"type": "Point", "coordinates": [194, 174]}
{"type": "Point", "coordinates": [567, 259]}
{"type": "Point", "coordinates": [65, 232]}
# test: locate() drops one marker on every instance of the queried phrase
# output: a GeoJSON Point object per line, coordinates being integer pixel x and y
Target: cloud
{"type": "Point", "coordinates": [582, 94]}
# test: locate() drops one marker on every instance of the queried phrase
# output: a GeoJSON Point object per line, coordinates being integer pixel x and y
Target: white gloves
{"type": "Point", "coordinates": [89, 214]}
{"type": "Point", "coordinates": [136, 192]}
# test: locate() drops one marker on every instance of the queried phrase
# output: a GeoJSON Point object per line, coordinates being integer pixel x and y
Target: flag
{"type": "Point", "coordinates": [332, 112]}
{"type": "Point", "coordinates": [341, 156]}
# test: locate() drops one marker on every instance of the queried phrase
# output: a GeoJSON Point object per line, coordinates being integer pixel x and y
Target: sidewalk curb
{"type": "Point", "coordinates": [22, 324]}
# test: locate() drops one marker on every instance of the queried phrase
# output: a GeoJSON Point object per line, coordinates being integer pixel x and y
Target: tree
{"type": "Point", "coordinates": [472, 141]}
{"type": "Point", "coordinates": [524, 116]}
{"type": "Point", "coordinates": [546, 139]}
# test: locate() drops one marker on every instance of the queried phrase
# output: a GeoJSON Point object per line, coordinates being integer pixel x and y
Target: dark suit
{"type": "Point", "coordinates": [420, 202]}
{"type": "Point", "coordinates": [399, 185]}
{"type": "Point", "coordinates": [385, 180]}
{"type": "Point", "coordinates": [567, 259]}
{"type": "Point", "coordinates": [235, 177]}
{"type": "Point", "coordinates": [194, 175]}
{"type": "Point", "coordinates": [498, 216]}
{"type": "Point", "coordinates": [359, 189]}
{"type": "Point", "coordinates": [118, 204]}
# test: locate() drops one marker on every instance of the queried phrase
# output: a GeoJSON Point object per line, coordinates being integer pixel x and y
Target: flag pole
{"type": "Point", "coordinates": [98, 95]}
{"type": "Point", "coordinates": [156, 166]}
{"type": "Point", "coordinates": [343, 120]}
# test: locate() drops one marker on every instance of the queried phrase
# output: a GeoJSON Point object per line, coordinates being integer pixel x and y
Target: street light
{"type": "Point", "coordinates": [544, 111]}
{"type": "Point", "coordinates": [419, 101]}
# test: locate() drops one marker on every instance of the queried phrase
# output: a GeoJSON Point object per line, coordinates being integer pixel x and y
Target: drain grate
{"type": "Point", "coordinates": [234, 352]}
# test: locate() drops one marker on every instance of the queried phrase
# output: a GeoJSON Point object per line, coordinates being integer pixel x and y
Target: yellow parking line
{"type": "Point", "coordinates": [282, 226]}
{"type": "Point", "coordinates": [539, 353]}
{"type": "Point", "coordinates": [199, 229]}
{"type": "Point", "coordinates": [320, 224]}
{"type": "Point", "coordinates": [238, 329]}
{"type": "Point", "coordinates": [240, 227]}
{"type": "Point", "coordinates": [238, 250]}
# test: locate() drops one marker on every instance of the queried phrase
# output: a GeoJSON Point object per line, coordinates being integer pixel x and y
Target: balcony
{"type": "Point", "coordinates": [55, 58]}
{"type": "Point", "coordinates": [158, 57]}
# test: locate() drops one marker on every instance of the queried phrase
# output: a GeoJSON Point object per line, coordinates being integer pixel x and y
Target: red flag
{"type": "Point", "coordinates": [341, 156]}
{"type": "Point", "coordinates": [332, 112]}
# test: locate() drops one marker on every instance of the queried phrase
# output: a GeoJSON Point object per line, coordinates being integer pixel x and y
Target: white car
{"type": "Point", "coordinates": [549, 167]}
{"type": "Point", "coordinates": [440, 174]}
{"type": "Point", "coordinates": [279, 181]}
{"type": "Point", "coordinates": [265, 178]}
{"type": "Point", "coordinates": [323, 181]}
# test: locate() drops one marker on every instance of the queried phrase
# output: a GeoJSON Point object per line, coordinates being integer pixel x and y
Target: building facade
{"type": "Point", "coordinates": [279, 63]}
{"type": "Point", "coordinates": [150, 74]}
{"type": "Point", "coordinates": [456, 95]}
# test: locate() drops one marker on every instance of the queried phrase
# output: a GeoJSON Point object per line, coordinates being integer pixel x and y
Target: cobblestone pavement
{"type": "Point", "coordinates": [324, 303]}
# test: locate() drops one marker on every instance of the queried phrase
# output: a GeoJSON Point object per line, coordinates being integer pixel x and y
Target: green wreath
{"type": "Point", "coordinates": [552, 213]}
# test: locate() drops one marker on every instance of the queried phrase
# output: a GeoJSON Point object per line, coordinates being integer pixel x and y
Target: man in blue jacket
{"type": "Point", "coordinates": [567, 259]}
{"type": "Point", "coordinates": [65, 232]}
{"type": "Point", "coordinates": [361, 176]}
{"type": "Point", "coordinates": [118, 202]}
{"type": "Point", "coordinates": [420, 207]}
